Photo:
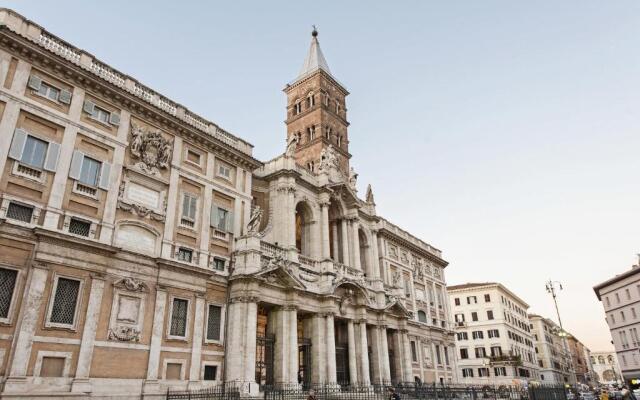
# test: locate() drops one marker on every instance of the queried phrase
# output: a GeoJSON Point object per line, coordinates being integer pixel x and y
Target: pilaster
{"type": "Point", "coordinates": [7, 127]}
{"type": "Point", "coordinates": [196, 342]}
{"type": "Point", "coordinates": [353, 363]}
{"type": "Point", "coordinates": [172, 200]}
{"type": "Point", "coordinates": [364, 354]}
{"type": "Point", "coordinates": [153, 366]}
{"type": "Point", "coordinates": [81, 382]}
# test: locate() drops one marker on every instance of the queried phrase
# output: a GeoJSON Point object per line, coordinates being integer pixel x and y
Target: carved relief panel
{"type": "Point", "coordinates": [127, 310]}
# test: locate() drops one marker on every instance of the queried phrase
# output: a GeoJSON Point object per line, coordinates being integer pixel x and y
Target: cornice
{"type": "Point", "coordinates": [66, 70]}
{"type": "Point", "coordinates": [385, 233]}
{"type": "Point", "coordinates": [65, 240]}
{"type": "Point", "coordinates": [297, 83]}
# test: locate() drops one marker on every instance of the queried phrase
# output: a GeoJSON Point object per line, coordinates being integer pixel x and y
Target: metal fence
{"type": "Point", "coordinates": [220, 392]}
{"type": "Point", "coordinates": [380, 391]}
{"type": "Point", "coordinates": [412, 391]}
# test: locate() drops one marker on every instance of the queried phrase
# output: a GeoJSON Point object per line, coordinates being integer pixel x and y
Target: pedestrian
{"type": "Point", "coordinates": [392, 394]}
{"type": "Point", "coordinates": [312, 395]}
{"type": "Point", "coordinates": [604, 395]}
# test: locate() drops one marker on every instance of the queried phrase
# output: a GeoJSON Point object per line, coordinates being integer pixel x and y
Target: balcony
{"type": "Point", "coordinates": [505, 359]}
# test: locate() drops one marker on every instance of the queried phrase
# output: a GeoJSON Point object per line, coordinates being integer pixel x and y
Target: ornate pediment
{"type": "Point", "coordinates": [132, 285]}
{"type": "Point", "coordinates": [395, 306]}
{"type": "Point", "coordinates": [279, 271]}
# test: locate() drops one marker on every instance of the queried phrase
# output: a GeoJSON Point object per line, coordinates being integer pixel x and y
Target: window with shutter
{"type": "Point", "coordinates": [8, 278]}
{"type": "Point", "coordinates": [34, 152]}
{"type": "Point", "coordinates": [214, 322]}
{"type": "Point", "coordinates": [65, 301]}
{"type": "Point", "coordinates": [179, 318]}
{"type": "Point", "coordinates": [90, 171]}
{"type": "Point", "coordinates": [189, 207]}
{"type": "Point", "coordinates": [222, 219]}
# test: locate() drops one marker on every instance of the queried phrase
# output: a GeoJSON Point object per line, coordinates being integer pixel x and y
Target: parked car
{"type": "Point", "coordinates": [587, 396]}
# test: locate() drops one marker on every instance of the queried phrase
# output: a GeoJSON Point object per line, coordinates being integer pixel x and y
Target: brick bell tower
{"type": "Point", "coordinates": [317, 112]}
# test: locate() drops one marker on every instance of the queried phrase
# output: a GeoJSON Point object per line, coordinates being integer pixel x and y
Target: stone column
{"type": "Point", "coordinates": [241, 341]}
{"type": "Point", "coordinates": [283, 324]}
{"type": "Point", "coordinates": [330, 337]}
{"type": "Point", "coordinates": [364, 354]}
{"type": "Point", "coordinates": [25, 331]}
{"type": "Point", "coordinates": [385, 368]}
{"type": "Point", "coordinates": [324, 208]}
{"type": "Point", "coordinates": [376, 354]}
{"type": "Point", "coordinates": [408, 366]}
{"type": "Point", "coordinates": [419, 350]}
{"type": "Point", "coordinates": [398, 356]}
{"type": "Point", "coordinates": [173, 204]}
{"type": "Point", "coordinates": [355, 242]}
{"type": "Point", "coordinates": [81, 382]}
{"type": "Point", "coordinates": [157, 331]}
{"type": "Point", "coordinates": [345, 242]}
{"type": "Point", "coordinates": [111, 202]}
{"type": "Point", "coordinates": [196, 342]}
{"type": "Point", "coordinates": [334, 242]}
{"type": "Point", "coordinates": [315, 328]}
{"type": "Point", "coordinates": [353, 362]}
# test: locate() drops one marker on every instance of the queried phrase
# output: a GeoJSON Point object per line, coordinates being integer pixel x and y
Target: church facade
{"type": "Point", "coordinates": [145, 248]}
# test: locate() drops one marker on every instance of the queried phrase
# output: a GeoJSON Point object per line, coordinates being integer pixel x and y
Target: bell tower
{"type": "Point", "coordinates": [317, 113]}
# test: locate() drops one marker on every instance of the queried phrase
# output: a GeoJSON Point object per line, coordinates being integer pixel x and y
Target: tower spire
{"type": "Point", "coordinates": [315, 59]}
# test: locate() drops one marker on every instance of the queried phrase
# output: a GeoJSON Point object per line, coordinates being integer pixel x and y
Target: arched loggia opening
{"type": "Point", "coordinates": [304, 220]}
{"type": "Point", "coordinates": [336, 233]}
{"type": "Point", "coordinates": [365, 256]}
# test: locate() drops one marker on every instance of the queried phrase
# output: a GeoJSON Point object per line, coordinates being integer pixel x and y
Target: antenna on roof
{"type": "Point", "coordinates": [314, 32]}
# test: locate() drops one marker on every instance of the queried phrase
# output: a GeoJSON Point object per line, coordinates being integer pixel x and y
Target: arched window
{"type": "Point", "coordinates": [422, 316]}
{"type": "Point", "coordinates": [311, 132]}
{"type": "Point", "coordinates": [311, 166]}
{"type": "Point", "coordinates": [297, 107]}
{"type": "Point", "coordinates": [339, 140]}
{"type": "Point", "coordinates": [337, 108]}
{"type": "Point", "coordinates": [311, 100]}
{"type": "Point", "coordinates": [326, 100]}
{"type": "Point", "coordinates": [327, 132]}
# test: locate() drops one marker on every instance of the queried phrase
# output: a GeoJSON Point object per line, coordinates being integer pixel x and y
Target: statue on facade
{"type": "Point", "coordinates": [254, 221]}
{"type": "Point", "coordinates": [396, 279]}
{"type": "Point", "coordinates": [353, 179]}
{"type": "Point", "coordinates": [291, 146]}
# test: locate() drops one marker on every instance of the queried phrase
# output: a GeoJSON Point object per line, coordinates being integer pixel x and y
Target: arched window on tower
{"type": "Point", "coordinates": [311, 132]}
{"type": "Point", "coordinates": [337, 108]}
{"type": "Point", "coordinates": [326, 99]}
{"type": "Point", "coordinates": [297, 107]}
{"type": "Point", "coordinates": [327, 132]}
{"type": "Point", "coordinates": [311, 100]}
{"type": "Point", "coordinates": [311, 166]}
{"type": "Point", "coordinates": [339, 140]}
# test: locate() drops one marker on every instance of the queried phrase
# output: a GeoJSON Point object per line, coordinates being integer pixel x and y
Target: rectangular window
{"type": "Point", "coordinates": [101, 115]}
{"type": "Point", "coordinates": [8, 278]}
{"type": "Point", "coordinates": [79, 227]}
{"type": "Point", "coordinates": [414, 352]}
{"type": "Point", "coordinates": [90, 171]}
{"type": "Point", "coordinates": [464, 354]}
{"type": "Point", "coordinates": [213, 322]}
{"type": "Point", "coordinates": [20, 212]}
{"type": "Point", "coordinates": [446, 355]}
{"type": "Point", "coordinates": [438, 357]}
{"type": "Point", "coordinates": [223, 216]}
{"type": "Point", "coordinates": [189, 207]}
{"type": "Point", "coordinates": [210, 372]}
{"type": "Point", "coordinates": [35, 152]}
{"type": "Point", "coordinates": [480, 352]}
{"type": "Point", "coordinates": [489, 314]}
{"type": "Point", "coordinates": [224, 171]}
{"type": "Point", "coordinates": [193, 157]}
{"type": "Point", "coordinates": [456, 301]}
{"type": "Point", "coordinates": [496, 351]}
{"type": "Point", "coordinates": [467, 373]}
{"type": "Point", "coordinates": [478, 335]}
{"type": "Point", "coordinates": [48, 91]}
{"type": "Point", "coordinates": [474, 316]}
{"type": "Point", "coordinates": [179, 318]}
{"type": "Point", "coordinates": [483, 372]}
{"type": "Point", "coordinates": [52, 367]}
{"type": "Point", "coordinates": [500, 371]}
{"type": "Point", "coordinates": [487, 298]}
{"type": "Point", "coordinates": [65, 301]}
{"type": "Point", "coordinates": [185, 254]}
{"type": "Point", "coordinates": [218, 264]}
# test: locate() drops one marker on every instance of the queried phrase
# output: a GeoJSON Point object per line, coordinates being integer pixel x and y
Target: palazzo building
{"type": "Point", "coordinates": [552, 349]}
{"type": "Point", "coordinates": [145, 248]}
{"type": "Point", "coordinates": [493, 335]}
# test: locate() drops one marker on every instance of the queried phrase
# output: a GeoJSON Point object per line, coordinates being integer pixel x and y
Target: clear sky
{"type": "Point", "coordinates": [505, 133]}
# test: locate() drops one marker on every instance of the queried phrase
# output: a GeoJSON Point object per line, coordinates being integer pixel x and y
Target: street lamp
{"type": "Point", "coordinates": [552, 287]}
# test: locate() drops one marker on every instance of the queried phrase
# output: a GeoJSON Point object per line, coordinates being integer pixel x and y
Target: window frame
{"type": "Point", "coordinates": [223, 314]}
{"type": "Point", "coordinates": [67, 355]}
{"type": "Point", "coordinates": [52, 296]}
{"type": "Point", "coordinates": [225, 167]}
{"type": "Point", "coordinates": [194, 220]}
{"type": "Point", "coordinates": [188, 150]}
{"type": "Point", "coordinates": [181, 361]}
{"type": "Point", "coordinates": [187, 330]}
{"type": "Point", "coordinates": [8, 320]}
{"type": "Point", "coordinates": [208, 363]}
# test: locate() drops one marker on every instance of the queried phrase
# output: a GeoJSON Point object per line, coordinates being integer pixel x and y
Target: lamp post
{"type": "Point", "coordinates": [552, 287]}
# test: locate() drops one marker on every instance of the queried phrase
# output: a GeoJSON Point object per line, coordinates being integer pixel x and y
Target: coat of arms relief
{"type": "Point", "coordinates": [151, 149]}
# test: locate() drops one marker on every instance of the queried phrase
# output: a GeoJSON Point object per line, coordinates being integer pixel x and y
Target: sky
{"type": "Point", "coordinates": [504, 133]}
